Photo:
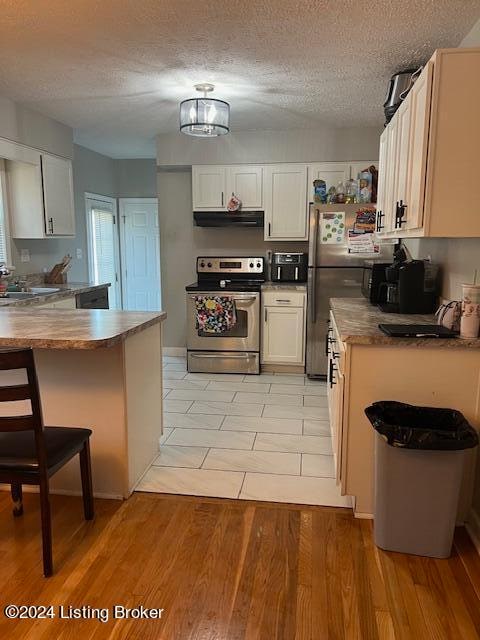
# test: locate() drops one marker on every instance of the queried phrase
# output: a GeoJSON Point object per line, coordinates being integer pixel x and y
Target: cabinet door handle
{"type": "Point", "coordinates": [401, 213]}
{"type": "Point", "coordinates": [379, 221]}
{"type": "Point", "coordinates": [269, 229]}
{"type": "Point", "coordinates": [282, 300]}
{"type": "Point", "coordinates": [265, 313]}
{"type": "Point", "coordinates": [327, 340]}
{"type": "Point", "coordinates": [332, 368]}
{"type": "Point", "coordinates": [50, 224]}
{"type": "Point", "coordinates": [222, 198]}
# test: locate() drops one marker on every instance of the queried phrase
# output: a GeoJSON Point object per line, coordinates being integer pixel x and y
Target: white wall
{"type": "Point", "coordinates": [33, 129]}
{"type": "Point", "coordinates": [136, 178]}
{"type": "Point", "coordinates": [472, 39]}
{"type": "Point", "coordinates": [296, 145]}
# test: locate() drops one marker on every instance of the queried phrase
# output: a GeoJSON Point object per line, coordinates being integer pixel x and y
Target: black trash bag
{"type": "Point", "coordinates": [411, 427]}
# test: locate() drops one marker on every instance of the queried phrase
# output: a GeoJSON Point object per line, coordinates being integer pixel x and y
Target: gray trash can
{"type": "Point", "coordinates": [419, 462]}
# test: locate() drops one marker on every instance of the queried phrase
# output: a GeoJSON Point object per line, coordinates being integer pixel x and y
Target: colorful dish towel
{"type": "Point", "coordinates": [215, 314]}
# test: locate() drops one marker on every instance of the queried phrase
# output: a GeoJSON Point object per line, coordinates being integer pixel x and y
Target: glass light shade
{"type": "Point", "coordinates": [204, 117]}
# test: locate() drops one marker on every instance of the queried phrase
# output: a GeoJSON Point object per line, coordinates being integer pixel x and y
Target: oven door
{"type": "Point", "coordinates": [245, 335]}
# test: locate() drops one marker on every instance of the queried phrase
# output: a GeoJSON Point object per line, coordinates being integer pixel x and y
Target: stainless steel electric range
{"type": "Point", "coordinates": [236, 350]}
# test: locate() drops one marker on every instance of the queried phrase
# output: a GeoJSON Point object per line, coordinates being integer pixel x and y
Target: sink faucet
{"type": "Point", "coordinates": [21, 284]}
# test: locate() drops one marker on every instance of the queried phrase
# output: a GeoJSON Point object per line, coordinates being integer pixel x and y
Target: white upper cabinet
{"type": "Point", "coordinates": [381, 194]}
{"type": "Point", "coordinates": [358, 167]}
{"type": "Point", "coordinates": [246, 182]}
{"type": "Point", "coordinates": [25, 199]}
{"type": "Point", "coordinates": [40, 195]}
{"type": "Point", "coordinates": [387, 185]}
{"type": "Point", "coordinates": [212, 186]}
{"type": "Point", "coordinates": [428, 157]}
{"type": "Point", "coordinates": [58, 196]}
{"type": "Point", "coordinates": [331, 172]}
{"type": "Point", "coordinates": [335, 172]}
{"type": "Point", "coordinates": [209, 188]}
{"type": "Point", "coordinates": [419, 119]}
{"type": "Point", "coordinates": [285, 193]}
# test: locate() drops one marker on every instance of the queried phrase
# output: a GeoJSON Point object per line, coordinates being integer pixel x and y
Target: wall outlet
{"type": "Point", "coordinates": [25, 255]}
{"type": "Point", "coordinates": [79, 254]}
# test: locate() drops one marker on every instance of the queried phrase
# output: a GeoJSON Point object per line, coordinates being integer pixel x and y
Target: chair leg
{"type": "Point", "coordinates": [46, 527]}
{"type": "Point", "coordinates": [87, 488]}
{"type": "Point", "coordinates": [17, 497]}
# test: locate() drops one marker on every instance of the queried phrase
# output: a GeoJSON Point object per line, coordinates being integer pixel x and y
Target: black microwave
{"type": "Point", "coordinates": [373, 276]}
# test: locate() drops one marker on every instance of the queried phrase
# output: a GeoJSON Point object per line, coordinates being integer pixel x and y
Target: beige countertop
{"type": "Point", "coordinates": [71, 329]}
{"type": "Point", "coordinates": [357, 323]}
{"type": "Point", "coordinates": [278, 286]}
{"type": "Point", "coordinates": [66, 290]}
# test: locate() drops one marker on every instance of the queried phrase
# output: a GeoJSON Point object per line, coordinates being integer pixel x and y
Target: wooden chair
{"type": "Point", "coordinates": [31, 453]}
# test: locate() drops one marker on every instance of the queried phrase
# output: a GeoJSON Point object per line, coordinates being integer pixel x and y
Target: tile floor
{"type": "Point", "coordinates": [261, 437]}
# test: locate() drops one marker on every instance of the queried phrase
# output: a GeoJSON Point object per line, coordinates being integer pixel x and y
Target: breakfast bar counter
{"type": "Point", "coordinates": [71, 329]}
{"type": "Point", "coordinates": [100, 369]}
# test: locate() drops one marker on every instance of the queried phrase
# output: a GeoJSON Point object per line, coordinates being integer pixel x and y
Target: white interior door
{"type": "Point", "coordinates": [103, 250]}
{"type": "Point", "coordinates": [140, 251]}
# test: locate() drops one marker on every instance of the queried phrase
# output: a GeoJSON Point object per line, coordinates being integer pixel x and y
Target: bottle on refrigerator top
{"type": "Point", "coordinates": [351, 188]}
{"type": "Point", "coordinates": [319, 191]}
{"type": "Point", "coordinates": [340, 193]}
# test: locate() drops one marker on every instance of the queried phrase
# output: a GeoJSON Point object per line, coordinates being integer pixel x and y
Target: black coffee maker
{"type": "Point", "coordinates": [411, 286]}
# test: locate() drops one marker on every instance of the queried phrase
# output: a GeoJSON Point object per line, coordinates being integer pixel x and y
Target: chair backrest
{"type": "Point", "coordinates": [23, 359]}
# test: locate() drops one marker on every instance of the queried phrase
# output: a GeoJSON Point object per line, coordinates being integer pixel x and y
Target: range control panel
{"type": "Point", "coordinates": [245, 266]}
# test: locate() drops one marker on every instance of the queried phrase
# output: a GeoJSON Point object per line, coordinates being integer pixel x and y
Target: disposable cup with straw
{"type": "Point", "coordinates": [470, 320]}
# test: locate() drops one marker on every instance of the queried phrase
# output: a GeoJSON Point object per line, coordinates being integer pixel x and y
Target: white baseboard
{"type": "Point", "coordinates": [363, 516]}
{"type": "Point", "coordinates": [175, 351]}
{"type": "Point", "coordinates": [473, 528]}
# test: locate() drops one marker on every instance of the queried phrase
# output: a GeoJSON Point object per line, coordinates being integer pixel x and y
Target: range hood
{"type": "Point", "coordinates": [225, 219]}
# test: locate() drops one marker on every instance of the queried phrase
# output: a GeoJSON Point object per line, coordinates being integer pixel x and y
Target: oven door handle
{"type": "Point", "coordinates": [234, 297]}
{"type": "Point", "coordinates": [243, 356]}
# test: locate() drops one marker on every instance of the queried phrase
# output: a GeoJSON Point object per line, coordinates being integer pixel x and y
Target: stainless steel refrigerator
{"type": "Point", "coordinates": [333, 272]}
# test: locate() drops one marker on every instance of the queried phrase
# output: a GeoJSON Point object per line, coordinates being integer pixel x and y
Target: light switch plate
{"type": "Point", "coordinates": [79, 254]}
{"type": "Point", "coordinates": [25, 255]}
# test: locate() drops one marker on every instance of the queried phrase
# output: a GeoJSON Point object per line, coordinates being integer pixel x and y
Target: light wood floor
{"type": "Point", "coordinates": [231, 570]}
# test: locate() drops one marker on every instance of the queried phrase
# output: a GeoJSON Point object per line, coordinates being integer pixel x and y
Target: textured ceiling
{"type": "Point", "coordinates": [115, 70]}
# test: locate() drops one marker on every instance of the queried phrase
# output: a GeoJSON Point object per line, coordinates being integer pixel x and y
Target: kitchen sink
{"type": "Point", "coordinates": [20, 295]}
{"type": "Point", "coordinates": [40, 291]}
{"type": "Point", "coordinates": [32, 293]}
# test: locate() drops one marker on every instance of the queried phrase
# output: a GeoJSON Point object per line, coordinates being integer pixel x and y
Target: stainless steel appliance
{"type": "Point", "coordinates": [373, 279]}
{"type": "Point", "coordinates": [333, 272]}
{"type": "Point", "coordinates": [398, 88]}
{"type": "Point", "coordinates": [238, 349]}
{"type": "Point", "coordinates": [413, 288]}
{"type": "Point", "coordinates": [289, 267]}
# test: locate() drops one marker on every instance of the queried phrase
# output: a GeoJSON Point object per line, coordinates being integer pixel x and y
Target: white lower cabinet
{"type": "Point", "coordinates": [283, 336]}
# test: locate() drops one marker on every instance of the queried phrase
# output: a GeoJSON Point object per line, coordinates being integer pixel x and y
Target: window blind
{"type": "Point", "coordinates": [104, 238]}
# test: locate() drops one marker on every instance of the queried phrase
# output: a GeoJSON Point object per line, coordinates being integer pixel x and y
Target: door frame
{"type": "Point", "coordinates": [88, 218]}
{"type": "Point", "coordinates": [123, 249]}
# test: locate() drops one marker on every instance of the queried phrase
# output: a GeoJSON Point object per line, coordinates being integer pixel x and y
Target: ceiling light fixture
{"type": "Point", "coordinates": [204, 117]}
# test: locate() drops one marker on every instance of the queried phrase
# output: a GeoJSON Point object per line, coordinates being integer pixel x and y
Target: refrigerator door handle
{"type": "Point", "coordinates": [314, 238]}
{"type": "Point", "coordinates": [312, 303]}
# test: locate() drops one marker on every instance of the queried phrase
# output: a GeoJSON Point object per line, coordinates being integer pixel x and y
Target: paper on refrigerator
{"type": "Point", "coordinates": [332, 227]}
